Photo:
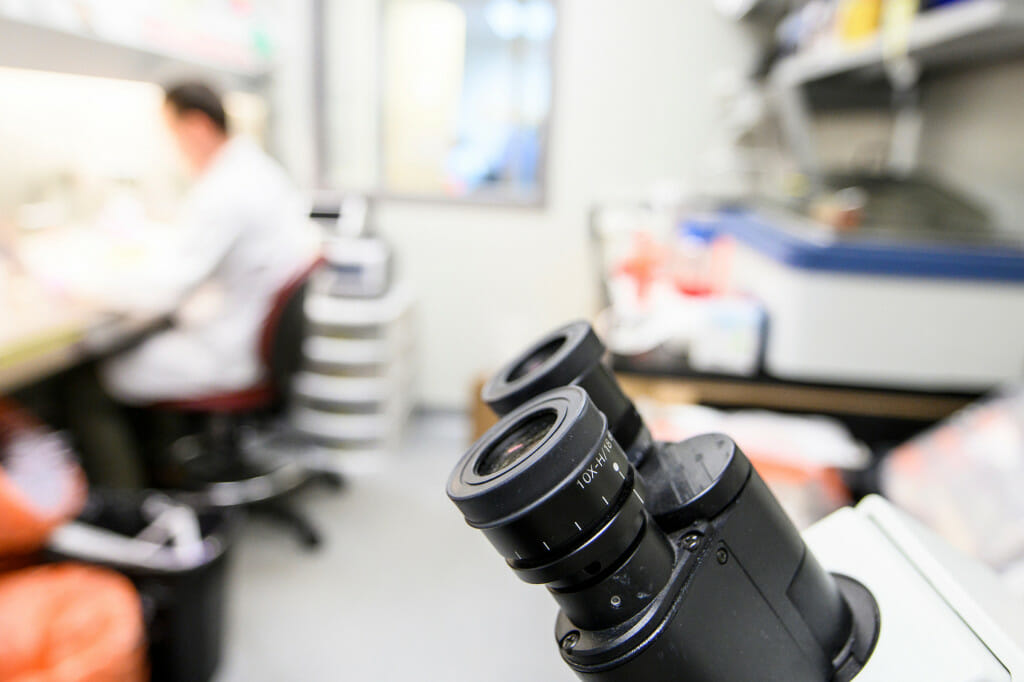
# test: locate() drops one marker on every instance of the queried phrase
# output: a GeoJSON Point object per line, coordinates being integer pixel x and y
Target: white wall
{"type": "Point", "coordinates": [972, 136]}
{"type": "Point", "coordinates": [291, 95]}
{"type": "Point", "coordinates": [970, 139]}
{"type": "Point", "coordinates": [632, 106]}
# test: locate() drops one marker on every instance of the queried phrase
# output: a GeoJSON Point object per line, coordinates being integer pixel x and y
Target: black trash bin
{"type": "Point", "coordinates": [184, 605]}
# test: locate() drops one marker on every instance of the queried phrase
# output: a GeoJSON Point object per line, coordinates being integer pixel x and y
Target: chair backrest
{"type": "Point", "coordinates": [284, 329]}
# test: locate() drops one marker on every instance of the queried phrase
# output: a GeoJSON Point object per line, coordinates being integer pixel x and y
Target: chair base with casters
{"type": "Point", "coordinates": [238, 466]}
{"type": "Point", "coordinates": [230, 460]}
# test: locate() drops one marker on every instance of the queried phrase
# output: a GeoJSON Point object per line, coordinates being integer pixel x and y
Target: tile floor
{"type": "Point", "coordinates": [402, 590]}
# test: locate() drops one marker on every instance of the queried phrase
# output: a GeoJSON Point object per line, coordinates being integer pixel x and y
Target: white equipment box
{"type": "Point", "coordinates": [875, 311]}
{"type": "Point", "coordinates": [943, 618]}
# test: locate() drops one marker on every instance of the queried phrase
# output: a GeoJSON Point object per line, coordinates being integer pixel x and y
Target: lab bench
{"type": "Point", "coordinates": [51, 335]}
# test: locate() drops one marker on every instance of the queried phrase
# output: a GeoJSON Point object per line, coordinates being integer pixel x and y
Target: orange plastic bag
{"type": "Point", "coordinates": [70, 623]}
{"type": "Point", "coordinates": [41, 485]}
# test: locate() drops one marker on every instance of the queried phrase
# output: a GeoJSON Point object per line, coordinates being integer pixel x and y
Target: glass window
{"type": "Point", "coordinates": [462, 101]}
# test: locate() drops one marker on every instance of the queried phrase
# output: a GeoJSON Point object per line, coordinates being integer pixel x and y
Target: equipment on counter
{"type": "Point", "coordinates": [357, 267]}
{"type": "Point", "coordinates": [880, 308]}
{"type": "Point", "coordinates": [963, 477]}
{"type": "Point", "coordinates": [360, 263]}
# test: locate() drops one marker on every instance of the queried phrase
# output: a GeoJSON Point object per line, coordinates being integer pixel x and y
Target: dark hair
{"type": "Point", "coordinates": [197, 96]}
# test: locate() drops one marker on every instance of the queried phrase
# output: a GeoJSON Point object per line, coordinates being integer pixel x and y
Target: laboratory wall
{"type": "Point", "coordinates": [491, 278]}
{"type": "Point", "coordinates": [972, 136]}
{"type": "Point", "coordinates": [292, 99]}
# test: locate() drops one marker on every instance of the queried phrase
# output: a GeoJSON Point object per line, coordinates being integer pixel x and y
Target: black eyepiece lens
{"type": "Point", "coordinates": [551, 362]}
{"type": "Point", "coordinates": [517, 443]}
{"type": "Point", "coordinates": [536, 359]}
{"type": "Point", "coordinates": [557, 497]}
{"type": "Point", "coordinates": [570, 355]}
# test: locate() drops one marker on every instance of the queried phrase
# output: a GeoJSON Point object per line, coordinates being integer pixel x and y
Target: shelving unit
{"type": "Point", "coordinates": [833, 75]}
{"type": "Point", "coordinates": [961, 34]}
{"type": "Point", "coordinates": [30, 45]}
{"type": "Point", "coordinates": [354, 393]}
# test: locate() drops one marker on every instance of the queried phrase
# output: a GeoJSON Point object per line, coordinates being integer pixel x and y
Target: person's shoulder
{"type": "Point", "coordinates": [244, 149]}
{"type": "Point", "coordinates": [257, 161]}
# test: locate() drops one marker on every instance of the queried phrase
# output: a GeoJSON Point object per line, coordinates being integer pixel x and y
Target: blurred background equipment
{"type": "Point", "coordinates": [962, 478]}
{"type": "Point", "coordinates": [823, 304]}
{"type": "Point", "coordinates": [353, 393]}
{"type": "Point", "coordinates": [854, 308]}
{"type": "Point", "coordinates": [41, 484]}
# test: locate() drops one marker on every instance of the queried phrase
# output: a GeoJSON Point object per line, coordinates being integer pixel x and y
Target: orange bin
{"type": "Point", "coordinates": [70, 623]}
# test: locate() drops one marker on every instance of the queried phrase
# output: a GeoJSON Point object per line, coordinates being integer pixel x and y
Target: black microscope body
{"type": "Point", "coordinates": [670, 561]}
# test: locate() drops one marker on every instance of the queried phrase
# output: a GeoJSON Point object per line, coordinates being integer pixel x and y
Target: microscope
{"type": "Point", "coordinates": [674, 561]}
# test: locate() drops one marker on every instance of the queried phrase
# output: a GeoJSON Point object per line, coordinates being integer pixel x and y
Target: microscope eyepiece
{"type": "Point", "coordinates": [516, 444]}
{"type": "Point", "coordinates": [570, 355]}
{"type": "Point", "coordinates": [555, 360]}
{"type": "Point", "coordinates": [693, 570]}
{"type": "Point", "coordinates": [557, 497]}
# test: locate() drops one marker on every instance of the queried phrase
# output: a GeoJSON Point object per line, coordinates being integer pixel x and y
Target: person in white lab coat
{"type": "Point", "coordinates": [243, 233]}
{"type": "Point", "coordinates": [241, 236]}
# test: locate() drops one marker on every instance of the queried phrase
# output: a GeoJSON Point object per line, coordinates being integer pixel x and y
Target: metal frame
{"type": "Point", "coordinates": [321, 152]}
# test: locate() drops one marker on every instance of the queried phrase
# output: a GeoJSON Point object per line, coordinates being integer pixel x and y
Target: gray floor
{"type": "Point", "coordinates": [403, 589]}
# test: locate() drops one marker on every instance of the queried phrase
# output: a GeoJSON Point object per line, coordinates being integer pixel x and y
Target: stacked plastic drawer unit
{"type": "Point", "coordinates": [353, 393]}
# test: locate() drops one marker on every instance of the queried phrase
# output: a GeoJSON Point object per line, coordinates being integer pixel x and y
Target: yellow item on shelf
{"type": "Point", "coordinates": [896, 22]}
{"type": "Point", "coordinates": [858, 20]}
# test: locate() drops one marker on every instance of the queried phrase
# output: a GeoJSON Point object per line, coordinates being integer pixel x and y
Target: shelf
{"type": "Point", "coordinates": [960, 34]}
{"type": "Point", "coordinates": [29, 45]}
